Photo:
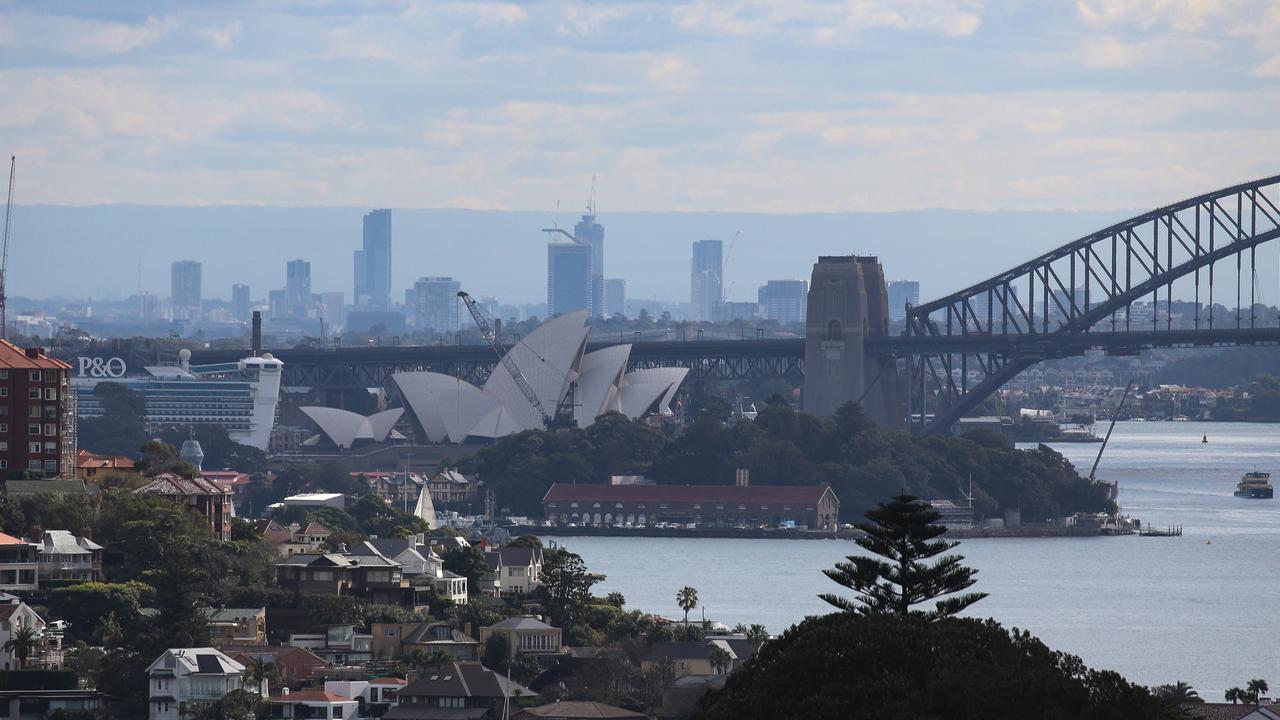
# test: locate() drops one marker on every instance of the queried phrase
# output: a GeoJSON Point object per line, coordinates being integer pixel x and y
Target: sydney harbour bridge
{"type": "Point", "coordinates": [959, 349]}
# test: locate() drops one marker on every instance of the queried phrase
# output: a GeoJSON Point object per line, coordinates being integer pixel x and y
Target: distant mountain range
{"type": "Point", "coordinates": [97, 251]}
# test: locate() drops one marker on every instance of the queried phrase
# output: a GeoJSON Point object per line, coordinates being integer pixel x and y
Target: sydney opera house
{"type": "Point", "coordinates": [554, 362]}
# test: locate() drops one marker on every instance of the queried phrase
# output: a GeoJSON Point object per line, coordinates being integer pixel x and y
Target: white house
{"type": "Point", "coordinates": [314, 704]}
{"type": "Point", "coordinates": [420, 562]}
{"type": "Point", "coordinates": [14, 616]}
{"type": "Point", "coordinates": [515, 570]}
{"type": "Point", "coordinates": [190, 675]}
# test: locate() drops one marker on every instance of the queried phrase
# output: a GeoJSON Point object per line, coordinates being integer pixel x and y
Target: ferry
{"type": "Point", "coordinates": [238, 396]}
{"type": "Point", "coordinates": [1255, 485]}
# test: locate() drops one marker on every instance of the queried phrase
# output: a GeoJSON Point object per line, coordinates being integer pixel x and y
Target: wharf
{"type": "Point", "coordinates": [791, 534]}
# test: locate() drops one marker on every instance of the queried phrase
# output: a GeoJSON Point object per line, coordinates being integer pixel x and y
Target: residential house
{"type": "Point", "coordinates": [16, 615]}
{"type": "Point", "coordinates": [45, 704]}
{"type": "Point", "coordinates": [578, 710]}
{"type": "Point", "coordinates": [237, 626]}
{"type": "Point", "coordinates": [293, 664]}
{"type": "Point", "coordinates": [525, 635]}
{"type": "Point", "coordinates": [421, 566]}
{"type": "Point", "coordinates": [698, 657]}
{"type": "Point", "coordinates": [314, 704]}
{"type": "Point", "coordinates": [370, 577]}
{"type": "Point", "coordinates": [184, 676]}
{"type": "Point", "coordinates": [206, 498]}
{"type": "Point", "coordinates": [393, 487]}
{"type": "Point", "coordinates": [314, 535]}
{"type": "Point", "coordinates": [514, 570]}
{"type": "Point", "coordinates": [456, 690]}
{"type": "Point", "coordinates": [338, 645]}
{"type": "Point", "coordinates": [19, 565]}
{"type": "Point", "coordinates": [68, 558]}
{"type": "Point", "coordinates": [397, 640]}
{"type": "Point", "coordinates": [233, 481]}
{"type": "Point", "coordinates": [450, 487]}
{"type": "Point", "coordinates": [283, 538]}
{"type": "Point", "coordinates": [90, 466]}
{"type": "Point", "coordinates": [374, 696]}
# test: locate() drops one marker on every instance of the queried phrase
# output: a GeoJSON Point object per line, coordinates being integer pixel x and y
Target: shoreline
{"type": "Point", "coordinates": [783, 534]}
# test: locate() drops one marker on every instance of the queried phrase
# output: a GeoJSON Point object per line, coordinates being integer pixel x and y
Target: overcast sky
{"type": "Point", "coordinates": [772, 106]}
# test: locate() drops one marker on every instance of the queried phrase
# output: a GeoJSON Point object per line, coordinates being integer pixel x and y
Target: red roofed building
{"type": "Point", "coordinates": [314, 704]}
{"type": "Point", "coordinates": [294, 664]}
{"type": "Point", "coordinates": [37, 426]}
{"type": "Point", "coordinates": [208, 499]}
{"type": "Point", "coordinates": [810, 506]}
{"type": "Point", "coordinates": [90, 466]}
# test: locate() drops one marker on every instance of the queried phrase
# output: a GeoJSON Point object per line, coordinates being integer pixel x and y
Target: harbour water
{"type": "Point", "coordinates": [1199, 608]}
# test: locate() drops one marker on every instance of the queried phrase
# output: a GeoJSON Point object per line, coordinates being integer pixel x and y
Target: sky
{"type": "Point", "coordinates": [750, 106]}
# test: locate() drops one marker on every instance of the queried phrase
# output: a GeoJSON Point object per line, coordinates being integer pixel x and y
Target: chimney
{"type": "Point", "coordinates": [255, 340]}
{"type": "Point", "coordinates": [742, 478]}
{"type": "Point", "coordinates": [33, 352]}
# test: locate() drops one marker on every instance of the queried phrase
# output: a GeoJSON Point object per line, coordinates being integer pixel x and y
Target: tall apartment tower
{"type": "Point", "coordinates": [590, 232]}
{"type": "Point", "coordinates": [373, 263]}
{"type": "Point", "coordinates": [783, 300]}
{"type": "Point", "coordinates": [901, 294]}
{"type": "Point", "coordinates": [184, 289]}
{"type": "Point", "coordinates": [435, 304]}
{"type": "Point", "coordinates": [705, 289]}
{"type": "Point", "coordinates": [240, 303]}
{"type": "Point", "coordinates": [847, 304]}
{"type": "Point", "coordinates": [569, 285]}
{"type": "Point", "coordinates": [297, 289]}
{"type": "Point", "coordinates": [40, 423]}
{"type": "Point", "coordinates": [615, 297]}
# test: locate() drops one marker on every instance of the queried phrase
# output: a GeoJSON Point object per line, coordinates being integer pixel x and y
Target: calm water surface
{"type": "Point", "coordinates": [1201, 608]}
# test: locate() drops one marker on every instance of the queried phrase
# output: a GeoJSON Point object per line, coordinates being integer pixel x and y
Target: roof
{"type": "Point", "coordinates": [205, 660]}
{"type": "Point", "coordinates": [436, 632]}
{"type": "Point", "coordinates": [313, 696]}
{"type": "Point", "coordinates": [313, 497]}
{"type": "Point", "coordinates": [317, 559]}
{"type": "Point", "coordinates": [679, 649]}
{"type": "Point", "coordinates": [388, 681]}
{"type": "Point", "coordinates": [465, 679]}
{"type": "Point", "coordinates": [35, 487]}
{"type": "Point", "coordinates": [520, 555]}
{"type": "Point", "coordinates": [170, 484]}
{"type": "Point", "coordinates": [770, 494]}
{"type": "Point", "coordinates": [1216, 711]}
{"type": "Point", "coordinates": [575, 709]}
{"type": "Point", "coordinates": [315, 528]}
{"type": "Point", "coordinates": [62, 542]}
{"type": "Point", "coordinates": [343, 427]}
{"type": "Point", "coordinates": [11, 540]}
{"type": "Point", "coordinates": [419, 712]}
{"type": "Point", "coordinates": [521, 623]}
{"type": "Point", "coordinates": [280, 654]}
{"type": "Point", "coordinates": [232, 614]}
{"type": "Point", "coordinates": [451, 476]}
{"type": "Point", "coordinates": [12, 356]}
{"type": "Point", "coordinates": [87, 459]}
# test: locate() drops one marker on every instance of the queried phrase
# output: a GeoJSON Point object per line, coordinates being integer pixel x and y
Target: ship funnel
{"type": "Point", "coordinates": [255, 340]}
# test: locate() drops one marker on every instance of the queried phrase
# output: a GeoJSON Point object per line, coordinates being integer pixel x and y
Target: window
{"type": "Point", "coordinates": [51, 465]}
{"type": "Point", "coordinates": [4, 428]}
{"type": "Point", "coordinates": [4, 464]}
{"type": "Point", "coordinates": [4, 374]}
{"type": "Point", "coordinates": [4, 446]}
{"type": "Point", "coordinates": [33, 448]}
{"type": "Point", "coordinates": [4, 392]}
{"type": "Point", "coordinates": [33, 375]}
{"type": "Point", "coordinates": [50, 448]}
{"type": "Point", "coordinates": [33, 429]}
{"type": "Point", "coordinates": [33, 393]}
{"type": "Point", "coordinates": [33, 464]}
{"type": "Point", "coordinates": [34, 411]}
{"type": "Point", "coordinates": [51, 376]}
{"type": "Point", "coordinates": [322, 576]}
{"type": "Point", "coordinates": [51, 430]}
{"type": "Point", "coordinates": [51, 393]}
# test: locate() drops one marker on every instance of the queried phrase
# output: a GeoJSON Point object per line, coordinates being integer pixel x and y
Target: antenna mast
{"type": "Point", "coordinates": [591, 202]}
{"type": "Point", "coordinates": [4, 253]}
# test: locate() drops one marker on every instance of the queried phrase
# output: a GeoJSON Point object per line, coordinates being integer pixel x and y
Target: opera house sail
{"type": "Point", "coordinates": [555, 363]}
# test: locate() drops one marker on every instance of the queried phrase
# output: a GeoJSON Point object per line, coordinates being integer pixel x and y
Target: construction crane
{"type": "Point", "coordinates": [4, 252]}
{"type": "Point", "coordinates": [508, 362]}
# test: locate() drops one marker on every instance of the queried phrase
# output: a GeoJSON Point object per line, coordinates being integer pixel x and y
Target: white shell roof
{"type": "Point", "coordinates": [641, 389]}
{"type": "Point", "coordinates": [548, 358]}
{"type": "Point", "coordinates": [447, 407]}
{"type": "Point", "coordinates": [598, 378]}
{"type": "Point", "coordinates": [344, 427]}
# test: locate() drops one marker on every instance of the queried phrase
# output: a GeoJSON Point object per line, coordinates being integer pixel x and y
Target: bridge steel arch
{"type": "Point", "coordinates": [1071, 298]}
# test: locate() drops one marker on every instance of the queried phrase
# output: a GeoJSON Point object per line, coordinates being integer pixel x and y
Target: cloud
{"type": "Point", "coordinates": [671, 73]}
{"type": "Point", "coordinates": [222, 37]}
{"type": "Point", "coordinates": [829, 23]}
{"type": "Point", "coordinates": [581, 19]}
{"type": "Point", "coordinates": [82, 37]}
{"type": "Point", "coordinates": [488, 14]}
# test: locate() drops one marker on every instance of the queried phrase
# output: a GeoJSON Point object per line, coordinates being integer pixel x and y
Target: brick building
{"type": "Point", "coordinates": [207, 499]}
{"type": "Point", "coordinates": [811, 506]}
{"type": "Point", "coordinates": [37, 419]}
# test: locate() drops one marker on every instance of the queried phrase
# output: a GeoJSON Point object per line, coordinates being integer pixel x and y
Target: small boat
{"type": "Point", "coordinates": [1256, 486]}
{"type": "Point", "coordinates": [1204, 438]}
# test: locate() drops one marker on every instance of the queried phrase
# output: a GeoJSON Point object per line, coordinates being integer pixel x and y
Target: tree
{"type": "Point", "coordinates": [757, 633]}
{"type": "Point", "coordinates": [904, 534]}
{"type": "Point", "coordinates": [1235, 695]}
{"type": "Point", "coordinates": [1179, 693]}
{"type": "Point", "coordinates": [496, 653]}
{"type": "Point", "coordinates": [470, 563]}
{"type": "Point", "coordinates": [856, 666]}
{"type": "Point", "coordinates": [720, 660]}
{"type": "Point", "coordinates": [258, 671]}
{"type": "Point", "coordinates": [21, 643]}
{"type": "Point", "coordinates": [687, 599]}
{"type": "Point", "coordinates": [616, 599]}
{"type": "Point", "coordinates": [1254, 689]}
{"type": "Point", "coordinates": [566, 586]}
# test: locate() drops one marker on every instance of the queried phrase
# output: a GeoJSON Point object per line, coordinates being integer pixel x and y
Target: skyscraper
{"type": "Point", "coordinates": [184, 290]}
{"type": "Point", "coordinates": [615, 297]}
{"type": "Point", "coordinates": [240, 303]}
{"type": "Point", "coordinates": [592, 233]}
{"type": "Point", "coordinates": [435, 304]}
{"type": "Point", "coordinates": [332, 311]}
{"type": "Point", "coordinates": [373, 263]}
{"type": "Point", "coordinates": [297, 288]}
{"type": "Point", "coordinates": [568, 277]}
{"type": "Point", "coordinates": [902, 293]}
{"type": "Point", "coordinates": [783, 300]}
{"type": "Point", "coordinates": [705, 289]}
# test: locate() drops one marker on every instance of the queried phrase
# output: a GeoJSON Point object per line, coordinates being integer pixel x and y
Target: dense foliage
{"type": "Point", "coordinates": [861, 462]}
{"type": "Point", "coordinates": [886, 667]}
{"type": "Point", "coordinates": [900, 539]}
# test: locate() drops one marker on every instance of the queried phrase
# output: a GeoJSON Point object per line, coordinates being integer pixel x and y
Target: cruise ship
{"type": "Point", "coordinates": [239, 396]}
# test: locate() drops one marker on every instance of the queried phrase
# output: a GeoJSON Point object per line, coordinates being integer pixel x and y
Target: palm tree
{"type": "Point", "coordinates": [720, 659]}
{"type": "Point", "coordinates": [259, 671]}
{"type": "Point", "coordinates": [687, 599]}
{"type": "Point", "coordinates": [1235, 695]}
{"type": "Point", "coordinates": [1254, 689]}
{"type": "Point", "coordinates": [1179, 693]}
{"type": "Point", "coordinates": [21, 643]}
{"type": "Point", "coordinates": [757, 633]}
